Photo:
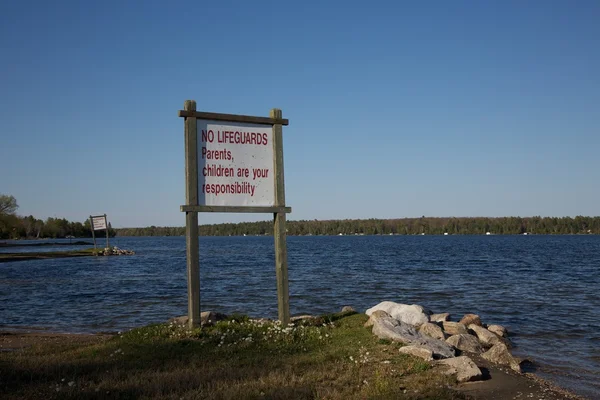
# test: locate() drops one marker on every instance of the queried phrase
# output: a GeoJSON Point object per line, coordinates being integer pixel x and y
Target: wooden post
{"type": "Point", "coordinates": [93, 233]}
{"type": "Point", "coordinates": [279, 232]}
{"type": "Point", "coordinates": [191, 217]}
{"type": "Point", "coordinates": [106, 224]}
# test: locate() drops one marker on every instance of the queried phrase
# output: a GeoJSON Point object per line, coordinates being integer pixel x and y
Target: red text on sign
{"type": "Point", "coordinates": [235, 137]}
{"type": "Point", "coordinates": [216, 154]}
{"type": "Point", "coordinates": [260, 172]}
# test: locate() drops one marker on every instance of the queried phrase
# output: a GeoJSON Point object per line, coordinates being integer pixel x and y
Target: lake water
{"type": "Point", "coordinates": [544, 289]}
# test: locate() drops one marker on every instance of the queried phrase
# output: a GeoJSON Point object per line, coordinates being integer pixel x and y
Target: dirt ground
{"type": "Point", "coordinates": [503, 383]}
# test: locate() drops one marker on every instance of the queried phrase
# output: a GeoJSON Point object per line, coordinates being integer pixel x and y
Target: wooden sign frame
{"type": "Point", "coordinates": [192, 208]}
{"type": "Point", "coordinates": [93, 230]}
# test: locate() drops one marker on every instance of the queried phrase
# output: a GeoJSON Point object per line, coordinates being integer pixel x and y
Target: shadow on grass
{"type": "Point", "coordinates": [130, 368]}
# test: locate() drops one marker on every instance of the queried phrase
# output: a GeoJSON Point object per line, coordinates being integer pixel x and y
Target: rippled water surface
{"type": "Point", "coordinates": [544, 289]}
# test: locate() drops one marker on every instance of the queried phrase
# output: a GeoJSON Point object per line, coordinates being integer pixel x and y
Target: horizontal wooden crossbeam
{"type": "Point", "coordinates": [233, 118]}
{"type": "Point", "coordinates": [237, 209]}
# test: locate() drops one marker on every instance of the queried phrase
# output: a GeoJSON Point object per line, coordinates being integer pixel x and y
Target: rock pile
{"type": "Point", "coordinates": [115, 251]}
{"type": "Point", "coordinates": [433, 336]}
{"type": "Point", "coordinates": [206, 318]}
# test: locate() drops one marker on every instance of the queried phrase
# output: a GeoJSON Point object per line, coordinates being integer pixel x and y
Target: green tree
{"type": "Point", "coordinates": [8, 204]}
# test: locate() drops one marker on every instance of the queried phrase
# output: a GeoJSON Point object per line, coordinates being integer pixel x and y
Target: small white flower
{"type": "Point", "coordinates": [71, 383]}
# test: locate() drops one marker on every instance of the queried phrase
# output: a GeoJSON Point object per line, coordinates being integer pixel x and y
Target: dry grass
{"type": "Point", "coordinates": [235, 359]}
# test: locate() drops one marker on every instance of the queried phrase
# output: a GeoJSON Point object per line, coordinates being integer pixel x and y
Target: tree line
{"type": "Point", "coordinates": [13, 226]}
{"type": "Point", "coordinates": [404, 226]}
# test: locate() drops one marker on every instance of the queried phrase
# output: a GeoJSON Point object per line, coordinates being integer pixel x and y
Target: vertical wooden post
{"type": "Point", "coordinates": [191, 217]}
{"type": "Point", "coordinates": [106, 224]}
{"type": "Point", "coordinates": [279, 232]}
{"type": "Point", "coordinates": [93, 233]}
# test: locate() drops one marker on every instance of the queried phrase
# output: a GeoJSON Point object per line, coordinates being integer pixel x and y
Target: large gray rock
{"type": "Point", "coordinates": [498, 330]}
{"type": "Point", "coordinates": [386, 327]}
{"type": "Point", "coordinates": [183, 320]}
{"type": "Point", "coordinates": [439, 317]}
{"type": "Point", "coordinates": [432, 330]}
{"type": "Point", "coordinates": [409, 314]}
{"type": "Point", "coordinates": [375, 315]}
{"type": "Point", "coordinates": [454, 328]}
{"type": "Point", "coordinates": [486, 337]}
{"type": "Point", "coordinates": [469, 319]}
{"type": "Point", "coordinates": [418, 351]}
{"type": "Point", "coordinates": [302, 318]}
{"type": "Point", "coordinates": [464, 368]}
{"type": "Point", "coordinates": [499, 354]}
{"type": "Point", "coordinates": [210, 317]}
{"type": "Point", "coordinates": [465, 343]}
{"type": "Point", "coordinates": [206, 318]}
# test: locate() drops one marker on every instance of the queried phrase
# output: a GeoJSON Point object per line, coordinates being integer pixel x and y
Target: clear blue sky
{"type": "Point", "coordinates": [397, 109]}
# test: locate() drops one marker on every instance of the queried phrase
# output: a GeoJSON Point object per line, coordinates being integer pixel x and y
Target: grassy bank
{"type": "Point", "coordinates": [329, 358]}
{"type": "Point", "coordinates": [42, 255]}
{"type": "Point", "coordinates": [16, 243]}
{"type": "Point", "coordinates": [5, 257]}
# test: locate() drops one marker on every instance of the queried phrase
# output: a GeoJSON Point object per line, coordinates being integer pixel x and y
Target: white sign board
{"type": "Point", "coordinates": [99, 223]}
{"type": "Point", "coordinates": [235, 164]}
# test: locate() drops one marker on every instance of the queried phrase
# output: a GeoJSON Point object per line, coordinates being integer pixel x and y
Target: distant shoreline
{"type": "Point", "coordinates": [401, 226]}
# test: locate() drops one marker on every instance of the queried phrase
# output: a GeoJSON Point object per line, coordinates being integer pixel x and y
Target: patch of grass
{"type": "Point", "coordinates": [333, 357]}
{"type": "Point", "coordinates": [6, 257]}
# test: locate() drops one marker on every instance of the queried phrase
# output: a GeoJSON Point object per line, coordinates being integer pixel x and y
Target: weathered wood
{"type": "Point", "coordinates": [278, 159]}
{"type": "Point", "coordinates": [106, 226]}
{"type": "Point", "coordinates": [233, 117]}
{"type": "Point", "coordinates": [191, 217]}
{"type": "Point", "coordinates": [279, 231]}
{"type": "Point", "coordinates": [237, 209]}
